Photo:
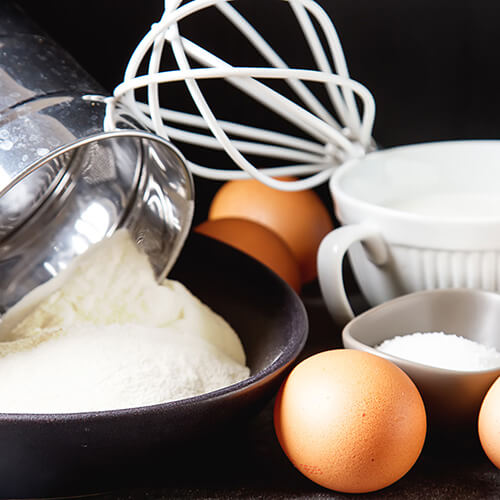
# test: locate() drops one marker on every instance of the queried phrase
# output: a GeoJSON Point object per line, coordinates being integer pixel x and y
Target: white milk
{"type": "Point", "coordinates": [450, 205]}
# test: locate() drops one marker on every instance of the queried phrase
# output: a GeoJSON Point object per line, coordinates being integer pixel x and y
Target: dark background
{"type": "Point", "coordinates": [432, 66]}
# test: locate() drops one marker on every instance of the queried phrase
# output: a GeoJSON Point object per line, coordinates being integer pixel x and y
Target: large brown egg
{"type": "Point", "coordinates": [299, 218]}
{"type": "Point", "coordinates": [489, 423]}
{"type": "Point", "coordinates": [350, 421]}
{"type": "Point", "coordinates": [257, 241]}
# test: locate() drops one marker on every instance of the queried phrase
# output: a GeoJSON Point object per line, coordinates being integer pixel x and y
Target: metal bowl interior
{"type": "Point", "coordinates": [452, 398]}
{"type": "Point", "coordinates": [62, 455]}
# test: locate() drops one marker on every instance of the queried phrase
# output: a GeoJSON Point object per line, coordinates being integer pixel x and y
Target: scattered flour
{"type": "Point", "coordinates": [442, 350]}
{"type": "Point", "coordinates": [104, 335]}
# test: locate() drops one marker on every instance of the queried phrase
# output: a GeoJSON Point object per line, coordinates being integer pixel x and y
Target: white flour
{"type": "Point", "coordinates": [111, 367]}
{"type": "Point", "coordinates": [104, 335]}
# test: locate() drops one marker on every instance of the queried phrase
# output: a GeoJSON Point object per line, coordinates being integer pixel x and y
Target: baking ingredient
{"type": "Point", "coordinates": [91, 368]}
{"type": "Point", "coordinates": [299, 218]}
{"type": "Point", "coordinates": [442, 350]}
{"type": "Point", "coordinates": [257, 241]}
{"type": "Point", "coordinates": [350, 421]}
{"type": "Point", "coordinates": [105, 335]}
{"type": "Point", "coordinates": [451, 205]}
{"type": "Point", "coordinates": [489, 423]}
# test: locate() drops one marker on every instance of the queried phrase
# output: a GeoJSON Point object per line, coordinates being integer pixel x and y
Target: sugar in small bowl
{"type": "Point", "coordinates": [442, 350]}
{"type": "Point", "coordinates": [447, 341]}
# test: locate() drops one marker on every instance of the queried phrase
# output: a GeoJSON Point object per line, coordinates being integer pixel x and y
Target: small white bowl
{"type": "Point", "coordinates": [452, 397]}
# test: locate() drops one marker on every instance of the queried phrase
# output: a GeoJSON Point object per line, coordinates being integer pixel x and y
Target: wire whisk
{"type": "Point", "coordinates": [331, 139]}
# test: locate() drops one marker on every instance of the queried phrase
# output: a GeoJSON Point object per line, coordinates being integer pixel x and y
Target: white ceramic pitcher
{"type": "Point", "coordinates": [414, 218]}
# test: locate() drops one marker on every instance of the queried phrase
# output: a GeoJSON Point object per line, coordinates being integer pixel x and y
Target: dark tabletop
{"type": "Point", "coordinates": [248, 462]}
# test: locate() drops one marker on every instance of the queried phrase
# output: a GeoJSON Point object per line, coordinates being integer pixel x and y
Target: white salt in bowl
{"type": "Point", "coordinates": [452, 397]}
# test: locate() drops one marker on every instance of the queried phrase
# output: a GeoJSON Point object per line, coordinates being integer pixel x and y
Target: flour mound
{"type": "Point", "coordinates": [112, 367]}
{"type": "Point", "coordinates": [104, 335]}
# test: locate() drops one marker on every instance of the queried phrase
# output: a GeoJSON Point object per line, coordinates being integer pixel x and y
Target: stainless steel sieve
{"type": "Point", "coordinates": [65, 183]}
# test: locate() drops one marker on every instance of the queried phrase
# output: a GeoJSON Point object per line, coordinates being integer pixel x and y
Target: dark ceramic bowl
{"type": "Point", "coordinates": [72, 454]}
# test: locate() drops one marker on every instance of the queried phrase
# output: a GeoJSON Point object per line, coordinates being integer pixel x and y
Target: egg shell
{"type": "Point", "coordinates": [350, 421]}
{"type": "Point", "coordinates": [300, 218]}
{"type": "Point", "coordinates": [257, 241]}
{"type": "Point", "coordinates": [489, 423]}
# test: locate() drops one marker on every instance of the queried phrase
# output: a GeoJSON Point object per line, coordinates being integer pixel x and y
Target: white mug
{"type": "Point", "coordinates": [414, 218]}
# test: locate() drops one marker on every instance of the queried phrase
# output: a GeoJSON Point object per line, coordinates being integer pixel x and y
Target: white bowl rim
{"type": "Point", "coordinates": [346, 199]}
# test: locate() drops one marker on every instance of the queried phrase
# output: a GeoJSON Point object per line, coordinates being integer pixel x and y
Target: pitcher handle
{"type": "Point", "coordinates": [330, 256]}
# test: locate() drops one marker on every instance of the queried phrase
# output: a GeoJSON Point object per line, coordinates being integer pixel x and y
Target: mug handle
{"type": "Point", "coordinates": [330, 256]}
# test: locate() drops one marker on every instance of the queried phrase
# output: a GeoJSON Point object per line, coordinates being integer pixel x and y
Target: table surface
{"type": "Point", "coordinates": [248, 462]}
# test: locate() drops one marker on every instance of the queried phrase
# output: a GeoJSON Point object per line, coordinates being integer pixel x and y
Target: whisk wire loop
{"type": "Point", "coordinates": [334, 138]}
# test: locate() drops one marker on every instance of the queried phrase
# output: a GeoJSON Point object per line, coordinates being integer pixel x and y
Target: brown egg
{"type": "Point", "coordinates": [489, 423]}
{"type": "Point", "coordinates": [350, 421]}
{"type": "Point", "coordinates": [300, 218]}
{"type": "Point", "coordinates": [257, 241]}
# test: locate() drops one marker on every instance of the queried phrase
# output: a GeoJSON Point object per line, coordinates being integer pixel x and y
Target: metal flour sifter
{"type": "Point", "coordinates": [65, 182]}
